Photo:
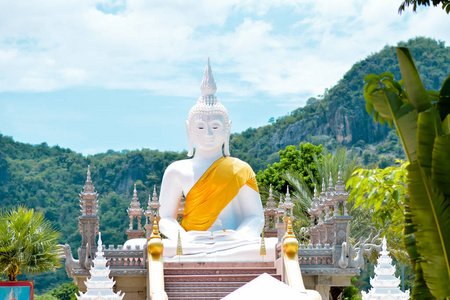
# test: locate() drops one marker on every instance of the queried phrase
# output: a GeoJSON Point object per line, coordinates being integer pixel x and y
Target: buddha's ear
{"type": "Point", "coordinates": [190, 142]}
{"type": "Point", "coordinates": [226, 147]}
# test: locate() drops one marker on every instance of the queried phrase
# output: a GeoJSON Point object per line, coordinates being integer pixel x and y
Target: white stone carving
{"type": "Point", "coordinates": [385, 284]}
{"type": "Point", "coordinates": [100, 286]}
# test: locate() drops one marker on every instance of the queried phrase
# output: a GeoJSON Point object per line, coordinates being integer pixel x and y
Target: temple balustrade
{"type": "Point", "coordinates": [125, 258]}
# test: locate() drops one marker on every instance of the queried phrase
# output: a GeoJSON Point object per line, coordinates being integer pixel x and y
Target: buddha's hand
{"type": "Point", "coordinates": [195, 236]}
{"type": "Point", "coordinates": [227, 235]}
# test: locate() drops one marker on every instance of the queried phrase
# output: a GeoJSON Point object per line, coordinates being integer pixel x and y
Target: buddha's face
{"type": "Point", "coordinates": [208, 132]}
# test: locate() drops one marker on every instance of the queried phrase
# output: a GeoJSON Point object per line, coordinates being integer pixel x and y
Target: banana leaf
{"type": "Point", "coordinates": [431, 216]}
{"type": "Point", "coordinates": [441, 167]}
{"type": "Point", "coordinates": [443, 104]}
{"type": "Point", "coordinates": [446, 125]}
{"type": "Point", "coordinates": [428, 128]}
{"type": "Point", "coordinates": [405, 118]}
{"type": "Point", "coordinates": [417, 93]}
{"type": "Point", "coordinates": [380, 104]}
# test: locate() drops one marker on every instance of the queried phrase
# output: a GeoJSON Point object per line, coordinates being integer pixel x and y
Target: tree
{"type": "Point", "coordinates": [298, 160]}
{"type": "Point", "coordinates": [383, 193]}
{"type": "Point", "coordinates": [325, 165]}
{"type": "Point", "coordinates": [28, 243]}
{"type": "Point", "coordinates": [415, 3]}
{"type": "Point", "coordinates": [65, 291]}
{"type": "Point", "coordinates": [422, 121]}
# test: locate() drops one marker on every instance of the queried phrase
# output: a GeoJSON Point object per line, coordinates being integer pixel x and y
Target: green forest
{"type": "Point", "coordinates": [49, 179]}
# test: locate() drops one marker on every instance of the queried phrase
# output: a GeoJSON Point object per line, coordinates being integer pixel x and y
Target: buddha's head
{"type": "Point", "coordinates": [208, 127]}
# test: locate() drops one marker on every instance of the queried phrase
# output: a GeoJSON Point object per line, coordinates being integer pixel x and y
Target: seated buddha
{"type": "Point", "coordinates": [223, 214]}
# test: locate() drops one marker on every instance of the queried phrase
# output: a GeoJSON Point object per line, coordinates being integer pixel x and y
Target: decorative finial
{"type": "Point", "coordinates": [315, 191]}
{"type": "Point", "coordinates": [262, 249]}
{"type": "Point", "coordinates": [339, 174]}
{"type": "Point", "coordinates": [155, 195]}
{"type": "Point", "coordinates": [179, 247]}
{"type": "Point", "coordinates": [208, 86]}
{"type": "Point", "coordinates": [270, 191]}
{"type": "Point", "coordinates": [88, 179]}
{"type": "Point", "coordinates": [134, 191]}
{"type": "Point", "coordinates": [384, 244]}
{"type": "Point", "coordinates": [330, 182]}
{"type": "Point", "coordinates": [289, 231]}
{"type": "Point", "coordinates": [155, 233]}
{"type": "Point", "coordinates": [99, 243]}
{"type": "Point", "coordinates": [287, 192]}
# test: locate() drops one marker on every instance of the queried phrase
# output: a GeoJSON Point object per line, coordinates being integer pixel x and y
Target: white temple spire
{"type": "Point", "coordinates": [100, 286]}
{"type": "Point", "coordinates": [88, 177]}
{"type": "Point", "coordinates": [135, 211]}
{"type": "Point", "coordinates": [384, 283]}
{"type": "Point", "coordinates": [208, 86]}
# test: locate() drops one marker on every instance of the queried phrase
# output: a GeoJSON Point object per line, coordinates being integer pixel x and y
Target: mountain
{"type": "Point", "coordinates": [49, 179]}
{"type": "Point", "coordinates": [340, 116]}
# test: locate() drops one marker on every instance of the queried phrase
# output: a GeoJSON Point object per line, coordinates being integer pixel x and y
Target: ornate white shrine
{"type": "Point", "coordinates": [385, 284]}
{"type": "Point", "coordinates": [100, 286]}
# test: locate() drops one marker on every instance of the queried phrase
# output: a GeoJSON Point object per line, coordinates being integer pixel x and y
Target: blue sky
{"type": "Point", "coordinates": [96, 75]}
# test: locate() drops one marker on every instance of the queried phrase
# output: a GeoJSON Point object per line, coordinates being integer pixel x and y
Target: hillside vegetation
{"type": "Point", "coordinates": [49, 179]}
{"type": "Point", "coordinates": [340, 117]}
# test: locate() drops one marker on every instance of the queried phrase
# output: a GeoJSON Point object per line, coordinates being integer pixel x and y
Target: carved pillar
{"type": "Point", "coordinates": [270, 216]}
{"type": "Point", "coordinates": [281, 226]}
{"type": "Point", "coordinates": [314, 214]}
{"type": "Point", "coordinates": [88, 222]}
{"type": "Point", "coordinates": [135, 211]}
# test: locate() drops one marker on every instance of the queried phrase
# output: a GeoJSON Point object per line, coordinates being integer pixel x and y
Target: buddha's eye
{"type": "Point", "coordinates": [215, 127]}
{"type": "Point", "coordinates": [200, 127]}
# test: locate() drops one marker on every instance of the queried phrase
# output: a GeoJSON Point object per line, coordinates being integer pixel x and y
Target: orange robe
{"type": "Point", "coordinates": [214, 190]}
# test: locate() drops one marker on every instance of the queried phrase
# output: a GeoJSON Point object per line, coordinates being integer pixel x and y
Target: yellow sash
{"type": "Point", "coordinates": [214, 190]}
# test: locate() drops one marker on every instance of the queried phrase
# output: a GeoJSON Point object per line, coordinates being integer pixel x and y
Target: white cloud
{"type": "Point", "coordinates": [156, 45]}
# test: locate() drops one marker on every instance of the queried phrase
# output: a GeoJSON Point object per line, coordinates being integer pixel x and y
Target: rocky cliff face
{"type": "Point", "coordinates": [344, 127]}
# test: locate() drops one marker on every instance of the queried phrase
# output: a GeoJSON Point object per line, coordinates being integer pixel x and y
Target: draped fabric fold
{"type": "Point", "coordinates": [214, 191]}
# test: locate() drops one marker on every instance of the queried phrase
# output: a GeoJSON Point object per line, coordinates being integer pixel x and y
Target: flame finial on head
{"type": "Point", "coordinates": [208, 86]}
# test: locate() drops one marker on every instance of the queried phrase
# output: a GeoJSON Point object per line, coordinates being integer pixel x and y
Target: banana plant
{"type": "Point", "coordinates": [422, 121]}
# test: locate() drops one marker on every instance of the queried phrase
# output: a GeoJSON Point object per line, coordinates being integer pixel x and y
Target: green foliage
{"type": "Point", "coordinates": [28, 243]}
{"type": "Point", "coordinates": [65, 291]}
{"type": "Point", "coordinates": [415, 3]}
{"type": "Point", "coordinates": [300, 161]}
{"type": "Point", "coordinates": [44, 297]}
{"type": "Point", "coordinates": [351, 292]}
{"type": "Point", "coordinates": [421, 119]}
{"type": "Point", "coordinates": [382, 192]}
{"type": "Point", "coordinates": [301, 194]}
{"type": "Point", "coordinates": [49, 180]}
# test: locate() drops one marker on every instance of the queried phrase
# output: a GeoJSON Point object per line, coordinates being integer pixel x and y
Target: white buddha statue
{"type": "Point", "coordinates": [223, 214]}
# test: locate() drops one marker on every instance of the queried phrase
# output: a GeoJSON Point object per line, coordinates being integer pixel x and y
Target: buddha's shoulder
{"type": "Point", "coordinates": [179, 168]}
{"type": "Point", "coordinates": [237, 162]}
